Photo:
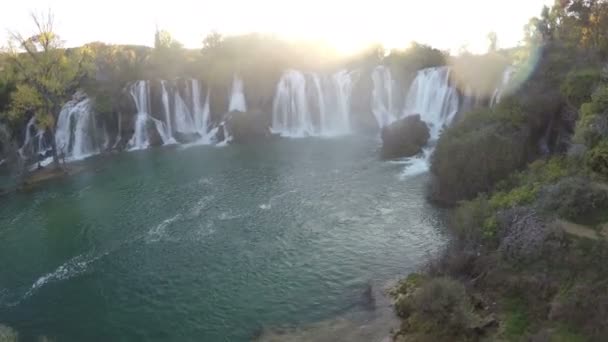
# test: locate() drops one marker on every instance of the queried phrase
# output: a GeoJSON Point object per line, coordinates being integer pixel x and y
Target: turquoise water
{"type": "Point", "coordinates": [208, 243]}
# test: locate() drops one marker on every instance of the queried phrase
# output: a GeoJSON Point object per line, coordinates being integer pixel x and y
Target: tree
{"type": "Point", "coordinates": [46, 74]}
{"type": "Point", "coordinates": [212, 41]}
{"type": "Point", "coordinates": [167, 58]}
{"type": "Point", "coordinates": [164, 40]}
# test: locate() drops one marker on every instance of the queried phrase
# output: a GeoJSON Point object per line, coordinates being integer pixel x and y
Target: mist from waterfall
{"type": "Point", "coordinates": [310, 104]}
{"type": "Point", "coordinates": [237, 96]}
{"type": "Point", "coordinates": [305, 104]}
{"type": "Point", "coordinates": [383, 96]}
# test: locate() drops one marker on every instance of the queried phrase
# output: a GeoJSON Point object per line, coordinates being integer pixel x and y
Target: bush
{"type": "Point", "coordinates": [597, 159]}
{"type": "Point", "coordinates": [575, 199]}
{"type": "Point", "coordinates": [475, 154]}
{"type": "Point", "coordinates": [522, 234]}
{"type": "Point", "coordinates": [440, 306]}
{"type": "Point", "coordinates": [592, 125]}
{"type": "Point", "coordinates": [525, 194]}
{"type": "Point", "coordinates": [583, 306]}
{"type": "Point", "coordinates": [579, 85]}
{"type": "Point", "coordinates": [472, 220]}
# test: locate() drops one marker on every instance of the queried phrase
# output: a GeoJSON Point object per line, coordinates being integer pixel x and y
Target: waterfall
{"type": "Point", "coordinates": [338, 124]}
{"type": "Point", "coordinates": [167, 111]}
{"type": "Point", "coordinates": [183, 117]}
{"type": "Point", "coordinates": [432, 96]}
{"type": "Point", "coordinates": [79, 134]}
{"type": "Point", "coordinates": [503, 86]}
{"type": "Point", "coordinates": [140, 140]}
{"type": "Point", "coordinates": [33, 144]}
{"type": "Point", "coordinates": [237, 97]}
{"type": "Point", "coordinates": [312, 104]}
{"type": "Point", "coordinates": [383, 92]}
{"type": "Point", "coordinates": [290, 115]}
{"type": "Point", "coordinates": [201, 113]}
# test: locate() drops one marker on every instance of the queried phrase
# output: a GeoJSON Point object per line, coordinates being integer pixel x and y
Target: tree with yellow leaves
{"type": "Point", "coordinates": [46, 74]}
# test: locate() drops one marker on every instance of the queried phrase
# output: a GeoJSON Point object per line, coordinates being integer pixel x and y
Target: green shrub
{"type": "Point", "coordinates": [517, 320]}
{"type": "Point", "coordinates": [597, 159]}
{"type": "Point", "coordinates": [440, 306]}
{"type": "Point", "coordinates": [476, 153]}
{"type": "Point", "coordinates": [575, 199]}
{"type": "Point", "coordinates": [470, 220]}
{"type": "Point", "coordinates": [592, 125]}
{"type": "Point", "coordinates": [584, 306]}
{"type": "Point", "coordinates": [579, 85]}
{"type": "Point", "coordinates": [508, 199]}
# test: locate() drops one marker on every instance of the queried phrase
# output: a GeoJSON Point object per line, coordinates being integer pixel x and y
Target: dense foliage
{"type": "Point", "coordinates": [528, 182]}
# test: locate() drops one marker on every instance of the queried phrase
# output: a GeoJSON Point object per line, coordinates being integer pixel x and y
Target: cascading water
{"type": "Point", "coordinates": [141, 139]}
{"type": "Point", "coordinates": [201, 113]}
{"type": "Point", "coordinates": [383, 106]}
{"type": "Point", "coordinates": [312, 105]}
{"type": "Point", "coordinates": [183, 117]}
{"type": "Point", "coordinates": [503, 86]}
{"type": "Point", "coordinates": [290, 114]}
{"type": "Point", "coordinates": [78, 134]}
{"type": "Point", "coordinates": [237, 96]}
{"type": "Point", "coordinates": [432, 96]}
{"type": "Point", "coordinates": [339, 103]}
{"type": "Point", "coordinates": [167, 111]}
{"type": "Point", "coordinates": [33, 144]}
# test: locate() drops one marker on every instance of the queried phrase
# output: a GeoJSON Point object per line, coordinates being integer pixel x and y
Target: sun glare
{"type": "Point", "coordinates": [347, 25]}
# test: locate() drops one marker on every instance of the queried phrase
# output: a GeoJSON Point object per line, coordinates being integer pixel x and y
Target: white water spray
{"type": "Point", "coordinates": [312, 104]}
{"type": "Point", "coordinates": [385, 88]}
{"type": "Point", "coordinates": [237, 96]}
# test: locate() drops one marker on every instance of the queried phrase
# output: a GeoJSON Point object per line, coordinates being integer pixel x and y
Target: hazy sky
{"type": "Point", "coordinates": [346, 24]}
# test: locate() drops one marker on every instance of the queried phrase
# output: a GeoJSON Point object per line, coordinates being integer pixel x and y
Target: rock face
{"type": "Point", "coordinates": [247, 127]}
{"type": "Point", "coordinates": [404, 138]}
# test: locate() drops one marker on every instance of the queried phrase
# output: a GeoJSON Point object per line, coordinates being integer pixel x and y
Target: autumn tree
{"type": "Point", "coordinates": [46, 75]}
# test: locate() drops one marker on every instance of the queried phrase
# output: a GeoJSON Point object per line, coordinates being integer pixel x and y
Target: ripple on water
{"type": "Point", "coordinates": [71, 268]}
{"type": "Point", "coordinates": [159, 232]}
{"type": "Point", "coordinates": [201, 205]}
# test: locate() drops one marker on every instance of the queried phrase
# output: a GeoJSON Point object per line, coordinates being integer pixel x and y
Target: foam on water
{"type": "Point", "coordinates": [159, 232]}
{"type": "Point", "coordinates": [71, 268]}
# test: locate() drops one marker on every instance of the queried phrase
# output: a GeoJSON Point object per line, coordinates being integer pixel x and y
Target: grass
{"type": "Point", "coordinates": [516, 320]}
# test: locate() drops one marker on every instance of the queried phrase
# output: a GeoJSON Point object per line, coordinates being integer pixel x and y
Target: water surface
{"type": "Point", "coordinates": [208, 243]}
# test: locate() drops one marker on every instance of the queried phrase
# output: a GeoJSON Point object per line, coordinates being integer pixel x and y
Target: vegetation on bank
{"type": "Point", "coordinates": [528, 183]}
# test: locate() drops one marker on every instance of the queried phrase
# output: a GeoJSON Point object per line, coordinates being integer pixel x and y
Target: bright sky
{"type": "Point", "coordinates": [346, 24]}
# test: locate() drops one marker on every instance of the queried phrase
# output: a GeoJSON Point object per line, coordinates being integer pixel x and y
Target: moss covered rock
{"type": "Point", "coordinates": [404, 138]}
